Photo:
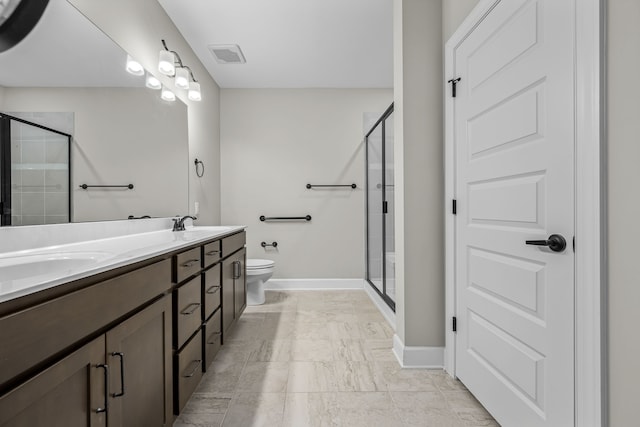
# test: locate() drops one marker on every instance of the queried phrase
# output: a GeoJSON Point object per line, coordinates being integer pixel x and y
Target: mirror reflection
{"type": "Point", "coordinates": [68, 78]}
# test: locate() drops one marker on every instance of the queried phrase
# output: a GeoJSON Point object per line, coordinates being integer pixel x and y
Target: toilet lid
{"type": "Point", "coordinates": [259, 263]}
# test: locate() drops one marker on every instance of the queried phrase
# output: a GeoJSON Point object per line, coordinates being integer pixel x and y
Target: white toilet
{"type": "Point", "coordinates": [258, 272]}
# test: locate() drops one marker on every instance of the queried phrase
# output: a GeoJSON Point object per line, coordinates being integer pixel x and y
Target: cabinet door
{"type": "Point", "coordinates": [139, 354]}
{"type": "Point", "coordinates": [240, 282]}
{"type": "Point", "coordinates": [70, 393]}
{"type": "Point", "coordinates": [228, 304]}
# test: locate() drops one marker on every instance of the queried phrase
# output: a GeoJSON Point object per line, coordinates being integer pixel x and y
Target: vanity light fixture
{"type": "Point", "coordinates": [182, 78]}
{"type": "Point", "coordinates": [170, 64]}
{"type": "Point", "coordinates": [194, 93]}
{"type": "Point", "coordinates": [134, 67]}
{"type": "Point", "coordinates": [152, 82]}
{"type": "Point", "coordinates": [167, 95]}
{"type": "Point", "coordinates": [166, 63]}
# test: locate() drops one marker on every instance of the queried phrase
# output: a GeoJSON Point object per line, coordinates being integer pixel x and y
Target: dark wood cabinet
{"type": "Point", "coordinates": [69, 393]}
{"type": "Point", "coordinates": [123, 348]}
{"type": "Point", "coordinates": [188, 371]}
{"type": "Point", "coordinates": [240, 282]}
{"type": "Point", "coordinates": [228, 303]}
{"type": "Point", "coordinates": [187, 315]}
{"type": "Point", "coordinates": [234, 288]}
{"type": "Point", "coordinates": [211, 338]}
{"type": "Point", "coordinates": [139, 357]}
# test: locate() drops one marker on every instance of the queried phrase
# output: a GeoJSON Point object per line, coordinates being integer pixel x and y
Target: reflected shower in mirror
{"type": "Point", "coordinates": [69, 76]}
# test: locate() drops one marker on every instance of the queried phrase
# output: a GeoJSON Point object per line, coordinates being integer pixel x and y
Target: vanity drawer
{"type": "Point", "coordinates": [188, 366]}
{"type": "Point", "coordinates": [187, 311]}
{"type": "Point", "coordinates": [212, 338]}
{"type": "Point", "coordinates": [233, 243]}
{"type": "Point", "coordinates": [211, 291]}
{"type": "Point", "coordinates": [211, 253]}
{"type": "Point", "coordinates": [186, 264]}
{"type": "Point", "coordinates": [33, 335]}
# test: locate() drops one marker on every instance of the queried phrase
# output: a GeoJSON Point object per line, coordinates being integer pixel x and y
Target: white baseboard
{"type": "Point", "coordinates": [313, 284]}
{"type": "Point", "coordinates": [418, 357]}
{"type": "Point", "coordinates": [381, 305]}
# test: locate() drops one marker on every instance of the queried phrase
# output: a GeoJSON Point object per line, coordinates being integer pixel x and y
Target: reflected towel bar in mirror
{"type": "Point", "coordinates": [285, 218]}
{"type": "Point", "coordinates": [85, 186]}
{"type": "Point", "coordinates": [331, 185]}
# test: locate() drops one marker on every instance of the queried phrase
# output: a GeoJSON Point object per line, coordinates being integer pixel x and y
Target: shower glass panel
{"type": "Point", "coordinates": [389, 217]}
{"type": "Point", "coordinates": [380, 208]}
{"type": "Point", "coordinates": [34, 173]}
{"type": "Point", "coordinates": [375, 218]}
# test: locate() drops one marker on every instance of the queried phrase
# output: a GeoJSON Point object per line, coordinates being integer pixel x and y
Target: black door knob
{"type": "Point", "coordinates": [555, 242]}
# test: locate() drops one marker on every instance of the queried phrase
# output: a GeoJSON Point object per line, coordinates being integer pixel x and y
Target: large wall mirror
{"type": "Point", "coordinates": [72, 115]}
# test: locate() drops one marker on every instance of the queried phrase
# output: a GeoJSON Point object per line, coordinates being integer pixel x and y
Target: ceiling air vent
{"type": "Point", "coordinates": [227, 53]}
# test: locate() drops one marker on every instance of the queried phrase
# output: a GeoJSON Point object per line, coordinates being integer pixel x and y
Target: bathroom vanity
{"type": "Point", "coordinates": [122, 340]}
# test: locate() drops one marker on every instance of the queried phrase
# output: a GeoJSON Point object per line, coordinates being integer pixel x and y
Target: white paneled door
{"type": "Point", "coordinates": [514, 183]}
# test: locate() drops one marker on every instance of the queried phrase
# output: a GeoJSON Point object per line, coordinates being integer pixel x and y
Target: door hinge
{"type": "Point", "coordinates": [574, 244]}
{"type": "Point", "coordinates": [454, 207]}
{"type": "Point", "coordinates": [454, 82]}
{"type": "Point", "coordinates": [384, 207]}
{"type": "Point", "coordinates": [454, 324]}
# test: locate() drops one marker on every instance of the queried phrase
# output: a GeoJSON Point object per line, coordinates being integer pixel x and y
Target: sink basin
{"type": "Point", "coordinates": [21, 267]}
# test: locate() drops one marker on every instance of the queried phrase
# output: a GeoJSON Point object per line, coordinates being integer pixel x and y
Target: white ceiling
{"type": "Point", "coordinates": [65, 49]}
{"type": "Point", "coordinates": [292, 43]}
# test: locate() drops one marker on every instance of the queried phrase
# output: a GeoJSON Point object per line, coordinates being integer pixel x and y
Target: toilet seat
{"type": "Point", "coordinates": [255, 264]}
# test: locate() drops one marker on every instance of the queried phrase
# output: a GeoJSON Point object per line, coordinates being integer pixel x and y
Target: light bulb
{"type": "Point", "coordinates": [194, 92]}
{"type": "Point", "coordinates": [182, 78]}
{"type": "Point", "coordinates": [166, 63]}
{"type": "Point", "coordinates": [134, 67]}
{"type": "Point", "coordinates": [167, 95]}
{"type": "Point", "coordinates": [152, 82]}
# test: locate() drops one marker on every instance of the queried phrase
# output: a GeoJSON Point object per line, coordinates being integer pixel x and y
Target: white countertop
{"type": "Point", "coordinates": [27, 271]}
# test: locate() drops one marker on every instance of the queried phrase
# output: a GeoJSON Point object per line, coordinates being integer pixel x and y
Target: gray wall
{"type": "Point", "coordinates": [624, 209]}
{"type": "Point", "coordinates": [121, 136]}
{"type": "Point", "coordinates": [274, 142]}
{"type": "Point", "coordinates": [138, 26]}
{"type": "Point", "coordinates": [453, 13]}
{"type": "Point", "coordinates": [419, 182]}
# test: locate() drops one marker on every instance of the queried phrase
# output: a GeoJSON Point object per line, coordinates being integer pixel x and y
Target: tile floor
{"type": "Point", "coordinates": [322, 358]}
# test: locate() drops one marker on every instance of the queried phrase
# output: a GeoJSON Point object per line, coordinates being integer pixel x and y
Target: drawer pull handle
{"type": "Point", "coordinates": [121, 356]}
{"type": "Point", "coordinates": [213, 289]}
{"type": "Point", "coordinates": [105, 408]}
{"type": "Point", "coordinates": [190, 309]}
{"type": "Point", "coordinates": [213, 338]}
{"type": "Point", "coordinates": [190, 263]}
{"type": "Point", "coordinates": [212, 253]}
{"type": "Point", "coordinates": [237, 270]}
{"type": "Point", "coordinates": [196, 365]}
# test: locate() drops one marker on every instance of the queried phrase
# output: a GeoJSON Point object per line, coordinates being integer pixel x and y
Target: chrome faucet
{"type": "Point", "coordinates": [178, 223]}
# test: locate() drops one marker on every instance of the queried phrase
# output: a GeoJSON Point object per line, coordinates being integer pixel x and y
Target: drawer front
{"type": "Point", "coordinates": [211, 253]}
{"type": "Point", "coordinates": [232, 243]}
{"type": "Point", "coordinates": [32, 335]}
{"type": "Point", "coordinates": [188, 372]}
{"type": "Point", "coordinates": [211, 291]}
{"type": "Point", "coordinates": [212, 338]}
{"type": "Point", "coordinates": [186, 265]}
{"type": "Point", "coordinates": [188, 311]}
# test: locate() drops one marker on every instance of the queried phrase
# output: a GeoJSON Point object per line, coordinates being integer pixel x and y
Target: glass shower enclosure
{"type": "Point", "coordinates": [380, 216]}
{"type": "Point", "coordinates": [34, 173]}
